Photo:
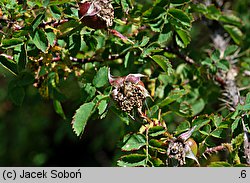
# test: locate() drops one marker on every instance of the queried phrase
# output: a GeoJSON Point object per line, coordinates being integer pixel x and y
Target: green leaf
{"type": "Point", "coordinates": [180, 16]}
{"type": "Point", "coordinates": [183, 38]}
{"type": "Point", "coordinates": [173, 96]}
{"type": "Point", "coordinates": [132, 160]}
{"type": "Point", "coordinates": [88, 92]}
{"type": "Point", "coordinates": [179, 2]}
{"type": "Point", "coordinates": [58, 2]}
{"type": "Point", "coordinates": [166, 35]}
{"type": "Point", "coordinates": [122, 115]}
{"type": "Point", "coordinates": [71, 27]}
{"type": "Point", "coordinates": [156, 131]}
{"type": "Point", "coordinates": [153, 48]}
{"type": "Point", "coordinates": [247, 98]}
{"type": "Point", "coordinates": [197, 106]}
{"type": "Point", "coordinates": [58, 108]}
{"type": "Point", "coordinates": [22, 59]}
{"type": "Point", "coordinates": [8, 64]}
{"type": "Point", "coordinates": [37, 21]}
{"type": "Point", "coordinates": [158, 144]}
{"type": "Point", "coordinates": [182, 127]}
{"type": "Point", "coordinates": [219, 164]}
{"type": "Point", "coordinates": [50, 36]}
{"type": "Point", "coordinates": [25, 78]}
{"type": "Point", "coordinates": [246, 107]}
{"type": "Point", "coordinates": [219, 133]}
{"type": "Point", "coordinates": [74, 44]}
{"type": "Point", "coordinates": [39, 38]}
{"type": "Point", "coordinates": [157, 25]}
{"type": "Point", "coordinates": [234, 32]}
{"type": "Point", "coordinates": [144, 41]}
{"type": "Point", "coordinates": [46, 3]}
{"type": "Point", "coordinates": [133, 142]}
{"type": "Point", "coordinates": [163, 62]}
{"type": "Point", "coordinates": [101, 77]}
{"type": "Point", "coordinates": [102, 106]}
{"type": "Point", "coordinates": [156, 162]}
{"type": "Point", "coordinates": [200, 8]}
{"type": "Point", "coordinates": [216, 119]}
{"type": "Point", "coordinates": [55, 12]}
{"type": "Point", "coordinates": [230, 50]}
{"type": "Point", "coordinates": [156, 12]}
{"type": "Point", "coordinates": [231, 19]}
{"type": "Point", "coordinates": [213, 12]}
{"type": "Point", "coordinates": [125, 6]}
{"type": "Point", "coordinates": [129, 58]}
{"type": "Point", "coordinates": [205, 130]}
{"type": "Point", "coordinates": [235, 124]}
{"type": "Point", "coordinates": [237, 141]}
{"type": "Point", "coordinates": [200, 121]}
{"type": "Point", "coordinates": [81, 117]}
{"type": "Point", "coordinates": [223, 64]}
{"type": "Point", "coordinates": [10, 43]}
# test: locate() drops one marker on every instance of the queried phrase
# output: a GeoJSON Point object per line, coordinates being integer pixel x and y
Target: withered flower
{"type": "Point", "coordinates": [246, 143]}
{"type": "Point", "coordinates": [183, 147]}
{"type": "Point", "coordinates": [96, 14]}
{"type": "Point", "coordinates": [129, 92]}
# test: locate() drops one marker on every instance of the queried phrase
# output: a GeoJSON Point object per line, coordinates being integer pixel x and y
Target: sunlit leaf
{"type": "Point", "coordinates": [200, 121]}
{"type": "Point", "coordinates": [163, 62]}
{"type": "Point", "coordinates": [235, 124]}
{"type": "Point", "coordinates": [234, 32]}
{"type": "Point", "coordinates": [58, 108]}
{"type": "Point", "coordinates": [55, 11]}
{"type": "Point", "coordinates": [37, 21]}
{"type": "Point", "coordinates": [10, 43]}
{"type": "Point", "coordinates": [144, 41]}
{"type": "Point", "coordinates": [132, 160]}
{"type": "Point", "coordinates": [179, 2]}
{"type": "Point", "coordinates": [173, 96]}
{"type": "Point", "coordinates": [133, 142]}
{"type": "Point", "coordinates": [101, 77]}
{"type": "Point", "coordinates": [156, 162]}
{"type": "Point", "coordinates": [8, 64]}
{"type": "Point", "coordinates": [40, 40]}
{"type": "Point", "coordinates": [230, 50]}
{"type": "Point", "coordinates": [81, 117]}
{"type": "Point", "coordinates": [88, 92]}
{"type": "Point", "coordinates": [183, 38]}
{"type": "Point", "coordinates": [156, 131]}
{"type": "Point", "coordinates": [102, 106]}
{"type": "Point", "coordinates": [183, 126]}
{"type": "Point", "coordinates": [219, 133]}
{"type": "Point", "coordinates": [230, 19]}
{"type": "Point", "coordinates": [180, 16]}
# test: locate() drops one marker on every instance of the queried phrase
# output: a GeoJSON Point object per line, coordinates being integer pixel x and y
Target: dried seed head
{"type": "Point", "coordinates": [129, 92]}
{"type": "Point", "coordinates": [176, 150]}
{"type": "Point", "coordinates": [96, 14]}
{"type": "Point", "coordinates": [129, 96]}
{"type": "Point", "coordinates": [183, 147]}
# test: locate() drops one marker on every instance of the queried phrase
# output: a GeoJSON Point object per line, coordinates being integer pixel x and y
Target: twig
{"type": "Point", "coordinates": [53, 23]}
{"type": "Point", "coordinates": [186, 58]}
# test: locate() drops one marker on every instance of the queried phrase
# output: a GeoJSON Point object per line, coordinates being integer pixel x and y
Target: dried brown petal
{"type": "Point", "coordinates": [96, 14]}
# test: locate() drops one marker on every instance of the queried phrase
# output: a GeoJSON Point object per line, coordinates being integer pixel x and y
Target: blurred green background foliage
{"type": "Point", "coordinates": [38, 101]}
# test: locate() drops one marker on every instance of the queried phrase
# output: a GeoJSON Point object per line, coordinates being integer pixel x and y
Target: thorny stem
{"type": "Point", "coordinates": [215, 149]}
